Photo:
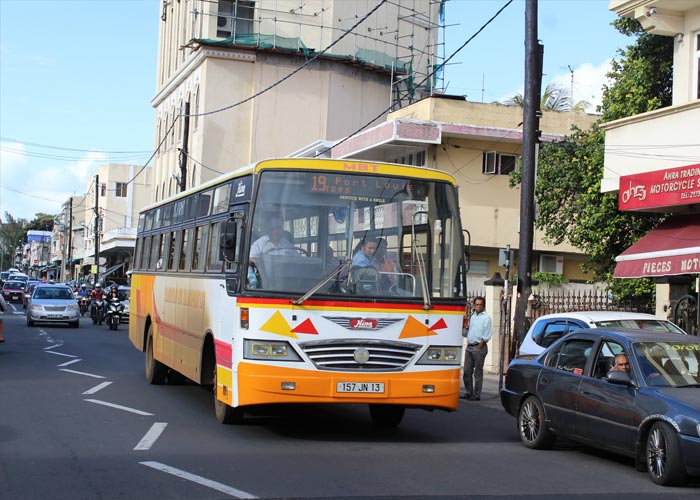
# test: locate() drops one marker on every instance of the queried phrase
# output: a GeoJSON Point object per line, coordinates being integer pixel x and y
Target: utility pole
{"type": "Point", "coordinates": [97, 229]}
{"type": "Point", "coordinates": [184, 151]}
{"type": "Point", "coordinates": [531, 118]}
{"type": "Point", "coordinates": [70, 238]}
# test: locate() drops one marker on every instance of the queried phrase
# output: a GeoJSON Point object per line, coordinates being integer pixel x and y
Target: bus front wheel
{"type": "Point", "coordinates": [155, 370]}
{"type": "Point", "coordinates": [226, 414]}
{"type": "Point", "coordinates": [386, 416]}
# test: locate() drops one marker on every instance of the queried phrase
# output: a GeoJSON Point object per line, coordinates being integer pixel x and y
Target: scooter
{"type": "Point", "coordinates": [98, 312]}
{"type": "Point", "coordinates": [114, 314]}
{"type": "Point", "coordinates": [84, 304]}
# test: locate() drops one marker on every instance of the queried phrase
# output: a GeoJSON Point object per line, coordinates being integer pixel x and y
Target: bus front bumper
{"type": "Point", "coordinates": [264, 384]}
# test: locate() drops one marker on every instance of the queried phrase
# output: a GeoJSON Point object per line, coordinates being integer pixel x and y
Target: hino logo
{"type": "Point", "coordinates": [363, 324]}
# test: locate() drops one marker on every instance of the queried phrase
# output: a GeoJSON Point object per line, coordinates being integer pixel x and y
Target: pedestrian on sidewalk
{"type": "Point", "coordinates": [3, 308]}
{"type": "Point", "coordinates": [478, 335]}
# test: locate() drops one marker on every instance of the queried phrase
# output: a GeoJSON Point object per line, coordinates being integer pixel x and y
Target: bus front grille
{"type": "Point", "coordinates": [360, 355]}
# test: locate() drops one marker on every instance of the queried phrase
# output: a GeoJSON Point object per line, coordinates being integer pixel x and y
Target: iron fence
{"type": "Point", "coordinates": [549, 301]}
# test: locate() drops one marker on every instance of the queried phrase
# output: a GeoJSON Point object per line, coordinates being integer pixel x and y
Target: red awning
{"type": "Point", "coordinates": [671, 248]}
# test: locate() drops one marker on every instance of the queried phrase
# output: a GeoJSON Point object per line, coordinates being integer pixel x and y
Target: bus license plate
{"type": "Point", "coordinates": [373, 387]}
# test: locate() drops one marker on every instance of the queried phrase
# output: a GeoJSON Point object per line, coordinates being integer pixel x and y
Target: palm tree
{"type": "Point", "coordinates": [554, 98]}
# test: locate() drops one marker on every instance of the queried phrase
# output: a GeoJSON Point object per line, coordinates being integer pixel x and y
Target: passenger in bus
{"type": "Point", "coordinates": [364, 255]}
{"type": "Point", "coordinates": [275, 239]}
{"type": "Point", "coordinates": [386, 267]}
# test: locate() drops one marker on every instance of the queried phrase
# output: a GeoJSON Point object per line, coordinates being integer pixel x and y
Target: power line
{"type": "Point", "coordinates": [6, 139]}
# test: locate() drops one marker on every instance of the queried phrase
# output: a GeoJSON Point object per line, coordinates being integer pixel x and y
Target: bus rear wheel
{"type": "Point", "coordinates": [226, 414]}
{"type": "Point", "coordinates": [386, 416]}
{"type": "Point", "coordinates": [155, 370]}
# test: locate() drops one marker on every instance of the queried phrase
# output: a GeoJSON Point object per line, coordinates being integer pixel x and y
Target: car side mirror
{"type": "Point", "coordinates": [619, 377]}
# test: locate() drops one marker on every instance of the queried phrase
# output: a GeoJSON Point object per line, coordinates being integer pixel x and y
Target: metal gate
{"type": "Point", "coordinates": [685, 314]}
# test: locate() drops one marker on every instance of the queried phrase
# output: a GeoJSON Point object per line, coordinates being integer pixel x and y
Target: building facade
{"type": "Point", "coordinates": [240, 81]}
{"type": "Point", "coordinates": [110, 211]}
{"type": "Point", "coordinates": [652, 160]}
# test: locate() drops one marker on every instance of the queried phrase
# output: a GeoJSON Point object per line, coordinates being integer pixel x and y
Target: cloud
{"type": "Point", "coordinates": [30, 187]}
{"type": "Point", "coordinates": [587, 86]}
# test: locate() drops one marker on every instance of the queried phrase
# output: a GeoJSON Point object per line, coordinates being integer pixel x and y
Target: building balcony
{"type": "Point", "coordinates": [658, 140]}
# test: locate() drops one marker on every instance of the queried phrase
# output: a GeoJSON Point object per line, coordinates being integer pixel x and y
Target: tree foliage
{"type": "Point", "coordinates": [12, 231]}
{"type": "Point", "coordinates": [567, 192]}
{"type": "Point", "coordinates": [554, 98]}
{"type": "Point", "coordinates": [41, 222]}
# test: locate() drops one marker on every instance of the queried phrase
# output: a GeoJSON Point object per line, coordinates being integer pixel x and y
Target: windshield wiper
{"type": "Point", "coordinates": [320, 284]}
{"type": "Point", "coordinates": [688, 385]}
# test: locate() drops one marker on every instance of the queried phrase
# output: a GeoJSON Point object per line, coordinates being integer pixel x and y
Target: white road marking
{"type": "Point", "coordinates": [62, 354]}
{"type": "Point", "coordinates": [81, 373]}
{"type": "Point", "coordinates": [98, 387]}
{"type": "Point", "coordinates": [151, 436]}
{"type": "Point", "coordinates": [70, 362]}
{"type": "Point", "coordinates": [120, 407]}
{"type": "Point", "coordinates": [199, 480]}
{"type": "Point", "coordinates": [53, 346]}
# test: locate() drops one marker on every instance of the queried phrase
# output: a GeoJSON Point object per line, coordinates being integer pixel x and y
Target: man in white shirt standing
{"type": "Point", "coordinates": [478, 336]}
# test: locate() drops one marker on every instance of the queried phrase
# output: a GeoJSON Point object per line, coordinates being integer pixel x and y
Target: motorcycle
{"type": "Point", "coordinates": [114, 314]}
{"type": "Point", "coordinates": [84, 304]}
{"type": "Point", "coordinates": [98, 312]}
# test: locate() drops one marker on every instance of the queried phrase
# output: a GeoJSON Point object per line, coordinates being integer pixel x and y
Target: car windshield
{"type": "Point", "coordinates": [654, 325]}
{"type": "Point", "coordinates": [669, 364]}
{"type": "Point", "coordinates": [53, 294]}
{"type": "Point", "coordinates": [13, 285]}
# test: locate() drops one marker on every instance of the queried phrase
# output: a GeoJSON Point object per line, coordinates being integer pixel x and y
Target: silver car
{"type": "Point", "coordinates": [53, 304]}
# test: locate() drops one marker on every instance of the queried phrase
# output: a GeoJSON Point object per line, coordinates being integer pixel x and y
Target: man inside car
{"type": "Point", "coordinates": [622, 363]}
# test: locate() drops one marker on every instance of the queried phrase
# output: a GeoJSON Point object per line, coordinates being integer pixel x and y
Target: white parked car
{"type": "Point", "coordinates": [547, 329]}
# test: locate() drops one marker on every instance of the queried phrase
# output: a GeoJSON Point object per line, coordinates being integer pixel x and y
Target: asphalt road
{"type": "Point", "coordinates": [78, 421]}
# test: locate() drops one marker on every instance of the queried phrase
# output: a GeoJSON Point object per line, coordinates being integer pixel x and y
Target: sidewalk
{"type": "Point", "coordinates": [489, 392]}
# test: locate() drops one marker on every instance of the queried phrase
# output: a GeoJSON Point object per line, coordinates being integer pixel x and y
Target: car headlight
{"type": "Point", "coordinates": [73, 307]}
{"type": "Point", "coordinates": [698, 429]}
{"type": "Point", "coordinates": [441, 355]}
{"type": "Point", "coordinates": [269, 350]}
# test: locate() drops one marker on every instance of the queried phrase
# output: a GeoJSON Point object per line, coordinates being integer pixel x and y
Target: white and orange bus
{"type": "Point", "coordinates": [301, 320]}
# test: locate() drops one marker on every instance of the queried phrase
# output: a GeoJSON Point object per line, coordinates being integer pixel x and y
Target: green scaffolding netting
{"type": "Point", "coordinates": [294, 44]}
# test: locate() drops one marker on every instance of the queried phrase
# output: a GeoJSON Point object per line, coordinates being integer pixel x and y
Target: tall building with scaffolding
{"type": "Point", "coordinates": [243, 80]}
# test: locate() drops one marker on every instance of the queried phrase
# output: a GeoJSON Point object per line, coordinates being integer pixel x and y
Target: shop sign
{"type": "Point", "coordinates": [660, 188]}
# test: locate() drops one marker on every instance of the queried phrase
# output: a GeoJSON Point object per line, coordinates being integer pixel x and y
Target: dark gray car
{"type": "Point", "coordinates": [648, 410]}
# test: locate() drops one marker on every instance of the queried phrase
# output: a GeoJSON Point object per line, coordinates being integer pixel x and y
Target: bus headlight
{"type": "Point", "coordinates": [269, 350]}
{"type": "Point", "coordinates": [441, 355]}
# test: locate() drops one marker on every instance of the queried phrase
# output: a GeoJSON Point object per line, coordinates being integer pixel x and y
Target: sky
{"type": "Point", "coordinates": [77, 78]}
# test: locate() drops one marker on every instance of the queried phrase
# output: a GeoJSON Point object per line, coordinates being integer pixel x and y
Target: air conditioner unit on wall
{"type": "Point", "coordinates": [224, 27]}
{"type": "Point", "coordinates": [553, 264]}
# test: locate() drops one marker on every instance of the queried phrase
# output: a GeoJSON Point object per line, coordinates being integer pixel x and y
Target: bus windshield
{"type": "Point", "coordinates": [377, 236]}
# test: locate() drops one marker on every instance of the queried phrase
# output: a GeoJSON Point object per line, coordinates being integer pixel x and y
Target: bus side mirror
{"type": "Point", "coordinates": [229, 232]}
